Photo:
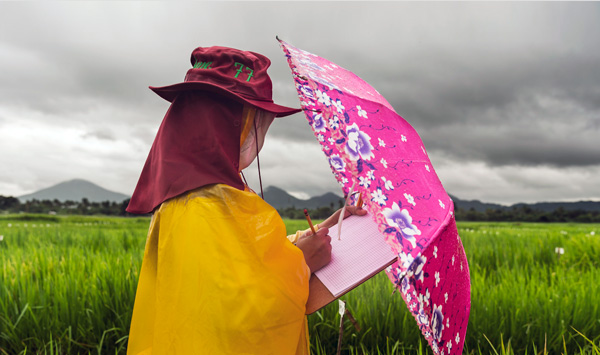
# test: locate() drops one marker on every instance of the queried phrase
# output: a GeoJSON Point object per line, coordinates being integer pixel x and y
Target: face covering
{"type": "Point", "coordinates": [256, 124]}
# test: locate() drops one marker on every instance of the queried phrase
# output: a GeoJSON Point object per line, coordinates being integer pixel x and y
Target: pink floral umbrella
{"type": "Point", "coordinates": [370, 146]}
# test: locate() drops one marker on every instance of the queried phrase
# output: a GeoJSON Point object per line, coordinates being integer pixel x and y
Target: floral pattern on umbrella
{"type": "Point", "coordinates": [367, 142]}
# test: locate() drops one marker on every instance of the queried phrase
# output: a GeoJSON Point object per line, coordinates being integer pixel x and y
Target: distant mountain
{"type": "Point", "coordinates": [75, 190]}
{"type": "Point", "coordinates": [475, 204]}
{"type": "Point", "coordinates": [279, 198]}
{"type": "Point", "coordinates": [567, 206]}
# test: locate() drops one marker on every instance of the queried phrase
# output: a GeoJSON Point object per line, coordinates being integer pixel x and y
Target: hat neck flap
{"type": "Point", "coordinates": [197, 144]}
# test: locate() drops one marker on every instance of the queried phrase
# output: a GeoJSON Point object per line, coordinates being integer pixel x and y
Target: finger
{"type": "Point", "coordinates": [360, 211]}
{"type": "Point", "coordinates": [354, 210]}
{"type": "Point", "coordinates": [323, 231]}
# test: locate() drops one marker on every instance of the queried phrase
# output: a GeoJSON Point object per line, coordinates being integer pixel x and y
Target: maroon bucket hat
{"type": "Point", "coordinates": [240, 75]}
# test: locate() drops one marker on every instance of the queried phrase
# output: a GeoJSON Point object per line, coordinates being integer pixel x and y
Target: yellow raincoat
{"type": "Point", "coordinates": [220, 277]}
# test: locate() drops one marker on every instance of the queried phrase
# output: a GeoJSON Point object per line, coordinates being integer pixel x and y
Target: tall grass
{"type": "Point", "coordinates": [67, 286]}
{"type": "Point", "coordinates": [525, 296]}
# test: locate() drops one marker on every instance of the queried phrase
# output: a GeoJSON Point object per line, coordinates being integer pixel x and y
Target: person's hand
{"type": "Point", "coordinates": [333, 219]}
{"type": "Point", "coordinates": [316, 248]}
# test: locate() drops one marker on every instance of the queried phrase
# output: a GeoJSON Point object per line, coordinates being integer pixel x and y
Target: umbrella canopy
{"type": "Point", "coordinates": [370, 146]}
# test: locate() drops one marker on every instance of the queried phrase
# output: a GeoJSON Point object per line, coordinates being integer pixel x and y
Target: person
{"type": "Point", "coordinates": [219, 275]}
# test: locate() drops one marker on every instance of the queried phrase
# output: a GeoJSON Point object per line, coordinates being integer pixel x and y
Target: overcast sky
{"type": "Point", "coordinates": [506, 96]}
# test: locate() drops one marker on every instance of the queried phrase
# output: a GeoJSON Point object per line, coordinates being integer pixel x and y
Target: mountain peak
{"type": "Point", "coordinates": [75, 190]}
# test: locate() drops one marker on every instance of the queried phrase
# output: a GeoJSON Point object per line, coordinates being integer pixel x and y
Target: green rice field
{"type": "Point", "coordinates": [67, 286]}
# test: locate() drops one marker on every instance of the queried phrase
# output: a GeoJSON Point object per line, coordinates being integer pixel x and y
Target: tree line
{"type": "Point", "coordinates": [516, 214]}
{"type": "Point", "coordinates": [84, 207]}
{"type": "Point", "coordinates": [111, 208]}
{"type": "Point", "coordinates": [527, 214]}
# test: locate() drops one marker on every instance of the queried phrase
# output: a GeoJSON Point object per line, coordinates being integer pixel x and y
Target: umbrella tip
{"type": "Point", "coordinates": [277, 37]}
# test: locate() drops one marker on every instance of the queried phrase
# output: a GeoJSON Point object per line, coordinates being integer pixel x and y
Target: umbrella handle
{"type": "Point", "coordinates": [344, 210]}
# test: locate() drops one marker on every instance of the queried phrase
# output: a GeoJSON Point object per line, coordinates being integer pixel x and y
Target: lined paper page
{"type": "Point", "coordinates": [360, 253]}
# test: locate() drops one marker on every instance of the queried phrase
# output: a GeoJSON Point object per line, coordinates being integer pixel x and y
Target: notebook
{"type": "Point", "coordinates": [359, 255]}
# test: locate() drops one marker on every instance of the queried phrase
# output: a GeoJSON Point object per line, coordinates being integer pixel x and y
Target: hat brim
{"type": "Point", "coordinates": [169, 93]}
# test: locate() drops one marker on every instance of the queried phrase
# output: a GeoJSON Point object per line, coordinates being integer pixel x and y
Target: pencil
{"type": "Point", "coordinates": [359, 203]}
{"type": "Point", "coordinates": [312, 228]}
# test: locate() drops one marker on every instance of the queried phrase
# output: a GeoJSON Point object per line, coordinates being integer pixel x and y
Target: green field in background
{"type": "Point", "coordinates": [67, 286]}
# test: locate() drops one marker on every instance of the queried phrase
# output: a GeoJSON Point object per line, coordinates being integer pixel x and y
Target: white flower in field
{"type": "Point", "coordinates": [559, 251]}
{"type": "Point", "coordinates": [563, 232]}
{"type": "Point", "coordinates": [593, 233]}
{"type": "Point", "coordinates": [25, 225]}
{"type": "Point", "coordinates": [1, 238]}
{"type": "Point", "coordinates": [9, 225]}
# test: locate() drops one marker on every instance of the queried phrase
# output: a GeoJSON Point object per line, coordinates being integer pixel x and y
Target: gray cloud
{"type": "Point", "coordinates": [102, 134]}
{"type": "Point", "coordinates": [498, 87]}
